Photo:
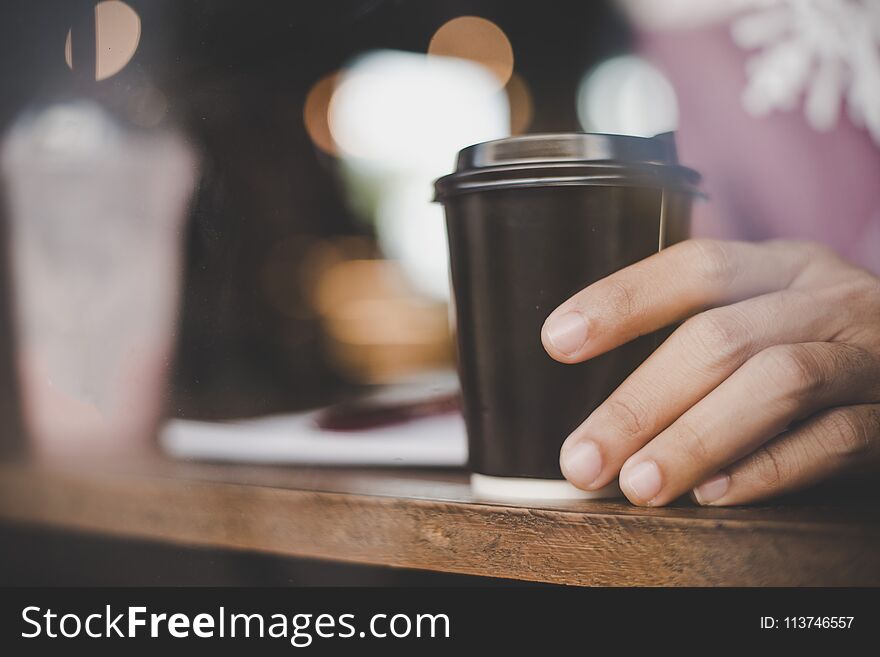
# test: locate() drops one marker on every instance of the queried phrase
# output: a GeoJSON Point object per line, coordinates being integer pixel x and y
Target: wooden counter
{"type": "Point", "coordinates": [429, 520]}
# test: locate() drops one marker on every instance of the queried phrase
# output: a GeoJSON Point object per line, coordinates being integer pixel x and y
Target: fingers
{"type": "Point", "coordinates": [691, 363]}
{"type": "Point", "coordinates": [821, 447]}
{"type": "Point", "coordinates": [757, 402]}
{"type": "Point", "coordinates": [665, 288]}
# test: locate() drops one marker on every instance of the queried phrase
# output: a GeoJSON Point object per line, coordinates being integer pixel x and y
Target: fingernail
{"type": "Point", "coordinates": [644, 480]}
{"type": "Point", "coordinates": [713, 489]}
{"type": "Point", "coordinates": [567, 333]}
{"type": "Point", "coordinates": [581, 463]}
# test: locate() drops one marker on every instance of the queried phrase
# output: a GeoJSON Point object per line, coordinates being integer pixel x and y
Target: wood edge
{"type": "Point", "coordinates": [423, 526]}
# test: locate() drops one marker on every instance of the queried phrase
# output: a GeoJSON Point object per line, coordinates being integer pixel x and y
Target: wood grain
{"type": "Point", "coordinates": [429, 520]}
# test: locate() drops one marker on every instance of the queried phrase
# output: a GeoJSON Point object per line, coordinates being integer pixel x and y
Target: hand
{"type": "Point", "coordinates": [771, 384]}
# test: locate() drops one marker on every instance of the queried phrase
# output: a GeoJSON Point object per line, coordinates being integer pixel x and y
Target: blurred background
{"type": "Point", "coordinates": [313, 258]}
{"type": "Point", "coordinates": [298, 259]}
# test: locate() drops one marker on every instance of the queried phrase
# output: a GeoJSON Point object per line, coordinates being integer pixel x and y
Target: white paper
{"type": "Point", "coordinates": [438, 440]}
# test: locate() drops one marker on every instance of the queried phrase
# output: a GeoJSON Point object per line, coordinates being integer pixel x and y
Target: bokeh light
{"type": "Point", "coordinates": [398, 120]}
{"type": "Point", "coordinates": [316, 111]}
{"type": "Point", "coordinates": [627, 95]}
{"type": "Point", "coordinates": [68, 50]}
{"type": "Point", "coordinates": [412, 229]}
{"type": "Point", "coordinates": [478, 40]}
{"type": "Point", "coordinates": [519, 96]}
{"type": "Point", "coordinates": [379, 329]}
{"type": "Point", "coordinates": [117, 34]}
{"type": "Point", "coordinates": [325, 254]}
{"type": "Point", "coordinates": [397, 109]}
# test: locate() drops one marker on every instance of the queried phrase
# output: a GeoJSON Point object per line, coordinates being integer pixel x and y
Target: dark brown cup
{"type": "Point", "coordinates": [532, 220]}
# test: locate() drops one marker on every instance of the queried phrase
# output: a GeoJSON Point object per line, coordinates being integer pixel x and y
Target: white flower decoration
{"type": "Point", "coordinates": [824, 50]}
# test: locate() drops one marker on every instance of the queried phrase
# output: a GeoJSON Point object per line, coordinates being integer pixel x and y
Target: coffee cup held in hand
{"type": "Point", "coordinates": [532, 220]}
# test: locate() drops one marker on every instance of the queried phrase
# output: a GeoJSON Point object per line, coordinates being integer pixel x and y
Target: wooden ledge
{"type": "Point", "coordinates": [429, 520]}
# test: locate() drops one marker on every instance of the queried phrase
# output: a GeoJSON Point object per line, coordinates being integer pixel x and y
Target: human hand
{"type": "Point", "coordinates": [772, 382]}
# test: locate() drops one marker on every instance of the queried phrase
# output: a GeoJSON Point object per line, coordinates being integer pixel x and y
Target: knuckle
{"type": "Point", "coordinates": [850, 359]}
{"type": "Point", "coordinates": [692, 442]}
{"type": "Point", "coordinates": [621, 298]}
{"type": "Point", "coordinates": [792, 368]}
{"type": "Point", "coordinates": [871, 285]}
{"type": "Point", "coordinates": [624, 414]}
{"type": "Point", "coordinates": [866, 290]}
{"type": "Point", "coordinates": [810, 258]}
{"type": "Point", "coordinates": [714, 259]}
{"type": "Point", "coordinates": [854, 431]}
{"type": "Point", "coordinates": [770, 470]}
{"type": "Point", "coordinates": [857, 303]}
{"type": "Point", "coordinates": [720, 334]}
{"type": "Point", "coordinates": [808, 251]}
{"type": "Point", "coordinates": [811, 247]}
{"type": "Point", "coordinates": [861, 293]}
{"type": "Point", "coordinates": [814, 250]}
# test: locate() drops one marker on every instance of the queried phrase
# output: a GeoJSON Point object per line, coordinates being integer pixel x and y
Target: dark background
{"type": "Point", "coordinates": [236, 75]}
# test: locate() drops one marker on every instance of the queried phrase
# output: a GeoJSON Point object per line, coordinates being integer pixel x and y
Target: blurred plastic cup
{"type": "Point", "coordinates": [95, 213]}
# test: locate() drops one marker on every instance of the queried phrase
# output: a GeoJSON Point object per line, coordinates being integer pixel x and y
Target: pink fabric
{"type": "Point", "coordinates": [773, 176]}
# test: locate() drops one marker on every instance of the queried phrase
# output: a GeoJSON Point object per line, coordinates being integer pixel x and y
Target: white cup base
{"type": "Point", "coordinates": [525, 488]}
